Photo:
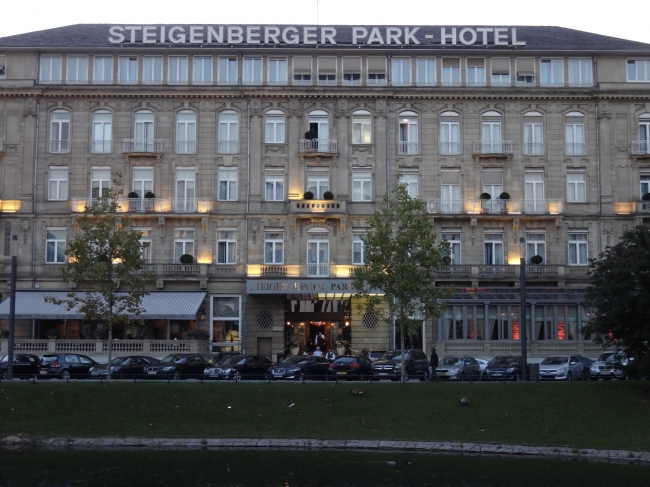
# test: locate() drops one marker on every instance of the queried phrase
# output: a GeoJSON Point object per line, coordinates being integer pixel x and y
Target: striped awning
{"type": "Point", "coordinates": [157, 305]}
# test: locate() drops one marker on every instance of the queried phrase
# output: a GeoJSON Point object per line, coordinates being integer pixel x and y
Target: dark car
{"type": "Point", "coordinates": [65, 365]}
{"type": "Point", "coordinates": [124, 367]}
{"type": "Point", "coordinates": [300, 367]}
{"type": "Point", "coordinates": [503, 368]}
{"type": "Point", "coordinates": [179, 366]}
{"type": "Point", "coordinates": [25, 365]}
{"type": "Point", "coordinates": [218, 357]}
{"type": "Point", "coordinates": [375, 355]}
{"type": "Point", "coordinates": [416, 366]}
{"type": "Point", "coordinates": [350, 367]}
{"type": "Point", "coordinates": [239, 367]}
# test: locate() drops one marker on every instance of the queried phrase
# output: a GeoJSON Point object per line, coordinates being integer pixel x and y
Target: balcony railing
{"type": "Point", "coordinates": [492, 147]}
{"type": "Point", "coordinates": [541, 270]}
{"type": "Point", "coordinates": [405, 148]}
{"type": "Point", "coordinates": [496, 206]}
{"type": "Point", "coordinates": [453, 207]}
{"type": "Point", "coordinates": [59, 146]}
{"type": "Point", "coordinates": [101, 146]}
{"type": "Point", "coordinates": [497, 270]}
{"type": "Point", "coordinates": [185, 146]}
{"type": "Point", "coordinates": [533, 148]}
{"type": "Point", "coordinates": [143, 145]}
{"type": "Point", "coordinates": [575, 149]}
{"type": "Point", "coordinates": [100, 347]}
{"type": "Point", "coordinates": [449, 148]}
{"type": "Point", "coordinates": [150, 205]}
{"type": "Point", "coordinates": [318, 270]}
{"type": "Point", "coordinates": [146, 269]}
{"type": "Point", "coordinates": [640, 147]}
{"type": "Point", "coordinates": [181, 269]}
{"type": "Point", "coordinates": [319, 145]}
{"type": "Point", "coordinates": [318, 206]}
{"type": "Point", "coordinates": [454, 271]}
{"type": "Point", "coordinates": [228, 147]}
{"type": "Point", "coordinates": [273, 270]}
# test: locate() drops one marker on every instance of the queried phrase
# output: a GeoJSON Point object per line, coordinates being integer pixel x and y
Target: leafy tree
{"type": "Point", "coordinates": [620, 295]}
{"type": "Point", "coordinates": [104, 257]}
{"type": "Point", "coordinates": [401, 257]}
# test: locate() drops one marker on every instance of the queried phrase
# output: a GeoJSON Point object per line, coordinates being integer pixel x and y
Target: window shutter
{"type": "Point", "coordinates": [376, 65]}
{"type": "Point", "coordinates": [450, 177]}
{"type": "Point", "coordinates": [475, 62]}
{"type": "Point", "coordinates": [501, 65]}
{"type": "Point", "coordinates": [302, 65]}
{"type": "Point", "coordinates": [447, 62]}
{"type": "Point", "coordinates": [493, 176]}
{"type": "Point", "coordinates": [352, 64]}
{"type": "Point", "coordinates": [526, 66]}
{"type": "Point", "coordinates": [327, 65]}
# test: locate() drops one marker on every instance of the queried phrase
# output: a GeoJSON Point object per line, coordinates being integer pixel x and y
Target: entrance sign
{"type": "Point", "coordinates": [299, 286]}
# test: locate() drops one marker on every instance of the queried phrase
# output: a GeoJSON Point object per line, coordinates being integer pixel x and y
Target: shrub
{"type": "Point", "coordinates": [149, 194]}
{"type": "Point", "coordinates": [308, 195]}
{"type": "Point", "coordinates": [504, 196]}
{"type": "Point", "coordinates": [186, 259]}
{"type": "Point", "coordinates": [536, 259]}
{"type": "Point", "coordinates": [311, 135]}
{"type": "Point", "coordinates": [485, 196]}
{"type": "Point", "coordinates": [328, 195]}
{"type": "Point", "coordinates": [133, 195]}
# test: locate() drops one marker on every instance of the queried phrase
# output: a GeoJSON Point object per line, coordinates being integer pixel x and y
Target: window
{"type": "Point", "coordinates": [450, 201]}
{"type": "Point", "coordinates": [273, 247]}
{"type": "Point", "coordinates": [361, 185]}
{"type": "Point", "coordinates": [128, 70]}
{"type": "Point", "coordinates": [177, 70]}
{"type": "Point", "coordinates": [301, 70]}
{"type": "Point", "coordinates": [426, 71]}
{"type": "Point", "coordinates": [453, 248]}
{"type": "Point", "coordinates": [144, 131]}
{"type": "Point", "coordinates": [319, 124]}
{"type": "Point", "coordinates": [142, 184]}
{"type": "Point", "coordinates": [153, 70]}
{"type": "Point", "coordinates": [227, 184]}
{"type": "Point", "coordinates": [638, 70]}
{"type": "Point", "coordinates": [351, 70]}
{"type": "Point", "coordinates": [493, 185]}
{"type": "Point", "coordinates": [326, 70]}
{"type": "Point", "coordinates": [361, 127]}
{"type": "Point", "coordinates": [645, 184]}
{"type": "Point", "coordinates": [274, 185]}
{"type": "Point", "coordinates": [580, 72]}
{"type": "Point", "coordinates": [228, 132]}
{"type": "Point", "coordinates": [449, 133]}
{"type": "Point", "coordinates": [491, 142]}
{"type": "Point", "coordinates": [183, 243]}
{"type": "Point", "coordinates": [318, 181]}
{"type": "Point", "coordinates": [535, 245]}
{"type": "Point", "coordinates": [578, 248]}
{"type": "Point", "coordinates": [576, 187]}
{"type": "Point", "coordinates": [475, 72]}
{"type": "Point", "coordinates": [277, 72]}
{"type": "Point", "coordinates": [226, 247]}
{"type": "Point", "coordinates": [410, 181]}
{"type": "Point", "coordinates": [55, 246]}
{"type": "Point", "coordinates": [252, 71]}
{"type": "Point", "coordinates": [274, 132]}
{"type": "Point", "coordinates": [227, 71]}
{"type": "Point", "coordinates": [525, 71]}
{"type": "Point", "coordinates": [574, 130]}
{"type": "Point", "coordinates": [493, 248]}
{"type": "Point", "coordinates": [185, 189]}
{"type": "Point", "coordinates": [50, 69]}
{"type": "Point", "coordinates": [186, 132]}
{"type": "Point", "coordinates": [376, 71]}
{"type": "Point", "coordinates": [100, 182]}
{"type": "Point", "coordinates": [202, 71]}
{"type": "Point", "coordinates": [533, 134]}
{"type": "Point", "coordinates": [534, 192]}
{"type": "Point", "coordinates": [644, 136]}
{"type": "Point", "coordinates": [408, 133]}
{"type": "Point", "coordinates": [60, 131]}
{"type": "Point", "coordinates": [146, 250]}
{"type": "Point", "coordinates": [77, 69]}
{"type": "Point", "coordinates": [226, 312]}
{"type": "Point", "coordinates": [551, 72]}
{"type": "Point", "coordinates": [3, 67]}
{"type": "Point", "coordinates": [102, 69]}
{"type": "Point", "coordinates": [500, 71]}
{"type": "Point", "coordinates": [102, 135]}
{"type": "Point", "coordinates": [358, 257]}
{"type": "Point", "coordinates": [318, 252]}
{"type": "Point", "coordinates": [401, 71]}
{"type": "Point", "coordinates": [451, 72]}
{"type": "Point", "coordinates": [58, 183]}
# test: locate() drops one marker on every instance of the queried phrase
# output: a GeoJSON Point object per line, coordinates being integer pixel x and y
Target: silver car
{"type": "Point", "coordinates": [459, 368]}
{"type": "Point", "coordinates": [561, 367]}
{"type": "Point", "coordinates": [610, 365]}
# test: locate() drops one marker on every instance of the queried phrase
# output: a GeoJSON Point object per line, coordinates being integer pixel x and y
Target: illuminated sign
{"type": "Point", "coordinates": [299, 286]}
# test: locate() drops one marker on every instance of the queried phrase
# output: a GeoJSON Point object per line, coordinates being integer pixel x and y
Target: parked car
{"type": "Point", "coordinates": [350, 367]}
{"type": "Point", "coordinates": [505, 367]}
{"type": "Point", "coordinates": [25, 365]}
{"type": "Point", "coordinates": [218, 357]}
{"type": "Point", "coordinates": [65, 366]}
{"type": "Point", "coordinates": [416, 365]}
{"type": "Point", "coordinates": [375, 355]}
{"type": "Point", "coordinates": [482, 363]}
{"type": "Point", "coordinates": [561, 367]}
{"type": "Point", "coordinates": [239, 367]}
{"type": "Point", "coordinates": [459, 368]}
{"type": "Point", "coordinates": [124, 367]}
{"type": "Point", "coordinates": [610, 365]}
{"type": "Point", "coordinates": [179, 366]}
{"type": "Point", "coordinates": [300, 367]}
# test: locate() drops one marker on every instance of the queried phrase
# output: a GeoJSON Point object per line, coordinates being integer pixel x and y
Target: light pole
{"type": "Point", "coordinates": [522, 308]}
{"type": "Point", "coordinates": [12, 309]}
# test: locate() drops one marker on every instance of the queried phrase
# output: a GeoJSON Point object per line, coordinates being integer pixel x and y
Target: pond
{"type": "Point", "coordinates": [31, 468]}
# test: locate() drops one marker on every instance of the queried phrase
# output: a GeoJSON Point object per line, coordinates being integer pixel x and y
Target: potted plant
{"type": "Point", "coordinates": [646, 197]}
{"type": "Point", "coordinates": [341, 346]}
{"type": "Point", "coordinates": [311, 135]}
{"type": "Point", "coordinates": [536, 259]}
{"type": "Point", "coordinates": [149, 195]}
{"type": "Point", "coordinates": [186, 259]}
{"type": "Point", "coordinates": [446, 260]}
{"type": "Point", "coordinates": [504, 197]}
{"type": "Point", "coordinates": [308, 196]}
{"type": "Point", "coordinates": [293, 346]}
{"type": "Point", "coordinates": [485, 197]}
{"type": "Point", "coordinates": [328, 195]}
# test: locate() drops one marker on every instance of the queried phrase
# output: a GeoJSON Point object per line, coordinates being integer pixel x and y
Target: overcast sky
{"type": "Point", "coordinates": [619, 18]}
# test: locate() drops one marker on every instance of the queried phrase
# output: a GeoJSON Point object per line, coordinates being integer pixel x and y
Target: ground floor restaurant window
{"type": "Point", "coordinates": [415, 341]}
{"type": "Point", "coordinates": [226, 323]}
{"type": "Point", "coordinates": [317, 324]}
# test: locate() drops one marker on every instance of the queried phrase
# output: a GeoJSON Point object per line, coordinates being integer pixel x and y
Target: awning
{"type": "Point", "coordinates": [156, 305]}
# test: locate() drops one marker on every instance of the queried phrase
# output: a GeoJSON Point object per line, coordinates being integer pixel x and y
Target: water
{"type": "Point", "coordinates": [33, 468]}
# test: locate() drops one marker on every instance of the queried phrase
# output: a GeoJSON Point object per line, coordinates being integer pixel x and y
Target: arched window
{"type": "Point", "coordinates": [186, 132]}
{"type": "Point", "coordinates": [491, 139]}
{"type": "Point", "coordinates": [319, 132]}
{"type": "Point", "coordinates": [318, 252]}
{"type": "Point", "coordinates": [102, 132]}
{"type": "Point", "coordinates": [574, 134]}
{"type": "Point", "coordinates": [144, 131]}
{"type": "Point", "coordinates": [449, 133]}
{"type": "Point", "coordinates": [644, 135]}
{"type": "Point", "coordinates": [60, 131]}
{"type": "Point", "coordinates": [275, 124]}
{"type": "Point", "coordinates": [361, 127]}
{"type": "Point", "coordinates": [228, 132]}
{"type": "Point", "coordinates": [408, 133]}
{"type": "Point", "coordinates": [533, 133]}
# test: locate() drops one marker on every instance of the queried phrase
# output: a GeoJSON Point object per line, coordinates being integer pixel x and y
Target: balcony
{"type": "Point", "coordinates": [498, 271]}
{"type": "Point", "coordinates": [273, 271]}
{"type": "Point", "coordinates": [329, 207]}
{"type": "Point", "coordinates": [154, 146]}
{"type": "Point", "coordinates": [640, 148]}
{"type": "Point", "coordinates": [454, 272]}
{"type": "Point", "coordinates": [575, 149]}
{"type": "Point", "coordinates": [320, 146]}
{"type": "Point", "coordinates": [533, 149]}
{"type": "Point", "coordinates": [181, 269]}
{"type": "Point", "coordinates": [318, 270]}
{"type": "Point", "coordinates": [492, 147]}
{"type": "Point", "coordinates": [99, 348]}
{"type": "Point", "coordinates": [407, 148]}
{"type": "Point", "coordinates": [59, 146]}
{"type": "Point", "coordinates": [228, 147]}
{"type": "Point", "coordinates": [149, 205]}
{"type": "Point", "coordinates": [495, 207]}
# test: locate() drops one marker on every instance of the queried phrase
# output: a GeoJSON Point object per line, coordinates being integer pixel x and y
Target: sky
{"type": "Point", "coordinates": [618, 18]}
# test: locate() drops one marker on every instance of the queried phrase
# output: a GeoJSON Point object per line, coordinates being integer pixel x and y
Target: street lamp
{"type": "Point", "coordinates": [522, 308]}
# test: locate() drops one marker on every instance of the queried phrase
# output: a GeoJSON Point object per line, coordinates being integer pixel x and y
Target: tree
{"type": "Point", "coordinates": [401, 256]}
{"type": "Point", "coordinates": [105, 256]}
{"type": "Point", "coordinates": [620, 296]}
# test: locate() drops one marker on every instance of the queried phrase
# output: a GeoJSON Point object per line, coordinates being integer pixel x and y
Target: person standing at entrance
{"type": "Point", "coordinates": [331, 356]}
{"type": "Point", "coordinates": [434, 365]}
{"type": "Point", "coordinates": [320, 340]}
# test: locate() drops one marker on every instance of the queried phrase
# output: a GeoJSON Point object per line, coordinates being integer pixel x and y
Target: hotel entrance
{"type": "Point", "coordinates": [305, 320]}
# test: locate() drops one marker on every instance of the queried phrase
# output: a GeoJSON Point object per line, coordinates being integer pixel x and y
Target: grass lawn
{"type": "Point", "coordinates": [614, 415]}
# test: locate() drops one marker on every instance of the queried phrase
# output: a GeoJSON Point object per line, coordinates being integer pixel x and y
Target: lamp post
{"type": "Point", "coordinates": [522, 308]}
{"type": "Point", "coordinates": [12, 309]}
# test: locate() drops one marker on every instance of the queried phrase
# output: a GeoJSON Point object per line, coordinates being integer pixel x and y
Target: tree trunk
{"type": "Point", "coordinates": [403, 368]}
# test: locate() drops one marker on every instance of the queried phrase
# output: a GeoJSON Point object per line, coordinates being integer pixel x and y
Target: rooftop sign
{"type": "Point", "coordinates": [312, 35]}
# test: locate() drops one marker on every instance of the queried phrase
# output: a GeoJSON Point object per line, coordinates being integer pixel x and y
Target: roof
{"type": "Point", "coordinates": [536, 38]}
{"type": "Point", "coordinates": [157, 305]}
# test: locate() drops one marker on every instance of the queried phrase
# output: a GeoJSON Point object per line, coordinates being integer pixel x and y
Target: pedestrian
{"type": "Point", "coordinates": [320, 340]}
{"type": "Point", "coordinates": [434, 365]}
{"type": "Point", "coordinates": [306, 352]}
{"type": "Point", "coordinates": [330, 355]}
{"type": "Point", "coordinates": [317, 352]}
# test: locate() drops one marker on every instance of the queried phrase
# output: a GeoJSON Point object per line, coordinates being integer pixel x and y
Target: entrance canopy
{"type": "Point", "coordinates": [156, 305]}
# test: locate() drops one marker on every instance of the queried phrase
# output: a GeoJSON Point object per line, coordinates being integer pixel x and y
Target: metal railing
{"type": "Point", "coordinates": [228, 147]}
{"type": "Point", "coordinates": [101, 146]}
{"type": "Point", "coordinates": [181, 269]}
{"type": "Point", "coordinates": [496, 206]}
{"type": "Point", "coordinates": [575, 149]}
{"type": "Point", "coordinates": [185, 146]}
{"type": "Point", "coordinates": [533, 148]}
{"type": "Point", "coordinates": [640, 147]}
{"type": "Point", "coordinates": [453, 207]}
{"type": "Point", "coordinates": [318, 270]}
{"type": "Point", "coordinates": [59, 146]}
{"type": "Point", "coordinates": [492, 147]}
{"type": "Point", "coordinates": [497, 270]}
{"type": "Point", "coordinates": [454, 271]}
{"type": "Point", "coordinates": [449, 148]}
{"type": "Point", "coordinates": [407, 148]}
{"type": "Point", "coordinates": [319, 145]}
{"type": "Point", "coordinates": [143, 145]}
